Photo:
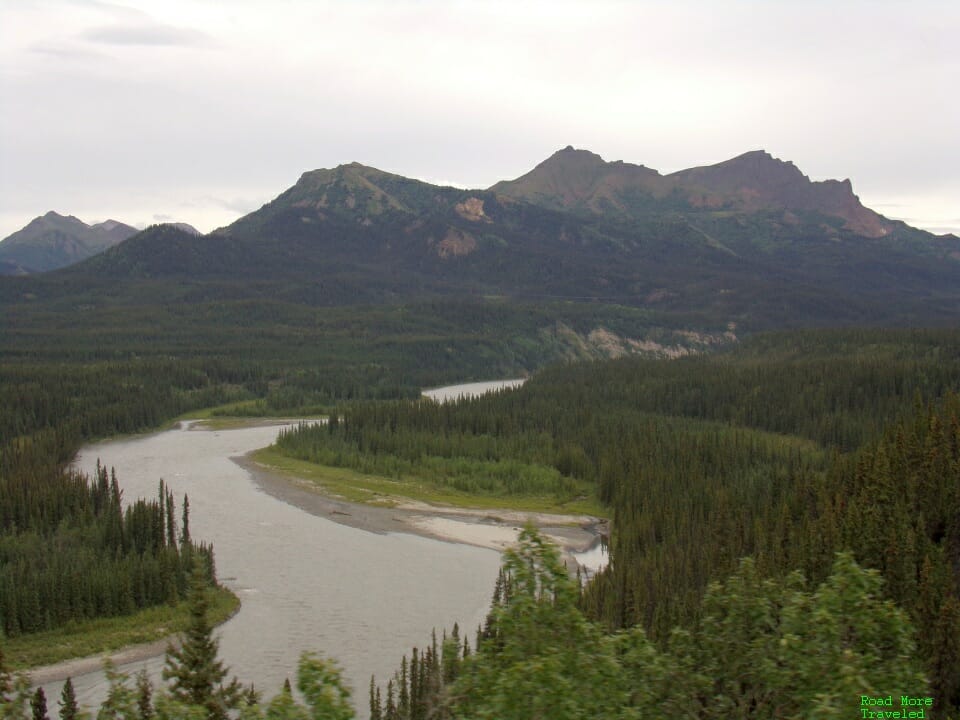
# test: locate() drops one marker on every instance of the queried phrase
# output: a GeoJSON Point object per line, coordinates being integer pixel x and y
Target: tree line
{"type": "Point", "coordinates": [70, 551]}
{"type": "Point", "coordinates": [787, 451]}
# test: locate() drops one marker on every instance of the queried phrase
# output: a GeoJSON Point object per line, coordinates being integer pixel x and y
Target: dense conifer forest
{"type": "Point", "coordinates": [787, 450]}
{"type": "Point", "coordinates": [763, 648]}
{"type": "Point", "coordinates": [70, 548]}
{"type": "Point", "coordinates": [830, 460]}
{"type": "Point", "coordinates": [70, 551]}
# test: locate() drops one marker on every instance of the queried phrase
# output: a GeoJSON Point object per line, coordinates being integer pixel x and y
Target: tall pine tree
{"type": "Point", "coordinates": [194, 671]}
{"type": "Point", "coordinates": [69, 710]}
{"type": "Point", "coordinates": [38, 704]}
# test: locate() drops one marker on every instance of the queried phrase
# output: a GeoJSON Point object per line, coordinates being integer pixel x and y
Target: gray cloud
{"type": "Point", "coordinates": [153, 34]}
{"type": "Point", "coordinates": [471, 92]}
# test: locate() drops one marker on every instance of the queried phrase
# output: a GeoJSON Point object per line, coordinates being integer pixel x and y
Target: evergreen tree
{"type": "Point", "coordinates": [69, 710]}
{"type": "Point", "coordinates": [121, 701]}
{"type": "Point", "coordinates": [403, 692]}
{"type": "Point", "coordinates": [284, 707]}
{"type": "Point", "coordinates": [171, 522]}
{"type": "Point", "coordinates": [544, 659]}
{"type": "Point", "coordinates": [321, 684]}
{"type": "Point", "coordinates": [944, 661]}
{"type": "Point", "coordinates": [144, 696]}
{"type": "Point", "coordinates": [38, 704]}
{"type": "Point", "coordinates": [166, 708]}
{"type": "Point", "coordinates": [251, 696]}
{"type": "Point", "coordinates": [185, 531]}
{"type": "Point", "coordinates": [194, 672]}
{"type": "Point", "coordinates": [376, 711]}
{"type": "Point", "coordinates": [390, 707]}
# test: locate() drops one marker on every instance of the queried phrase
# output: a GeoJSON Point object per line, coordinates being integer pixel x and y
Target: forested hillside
{"type": "Point", "coordinates": [751, 241]}
{"type": "Point", "coordinates": [787, 450]}
{"type": "Point", "coordinates": [72, 551]}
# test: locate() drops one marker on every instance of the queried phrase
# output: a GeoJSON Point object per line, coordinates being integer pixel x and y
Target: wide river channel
{"type": "Point", "coordinates": [305, 582]}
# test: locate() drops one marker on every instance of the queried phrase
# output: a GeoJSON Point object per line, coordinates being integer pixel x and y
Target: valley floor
{"type": "Point", "coordinates": [495, 529]}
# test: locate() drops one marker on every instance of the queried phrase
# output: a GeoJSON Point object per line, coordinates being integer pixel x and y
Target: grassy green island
{"type": "Point", "coordinates": [379, 490]}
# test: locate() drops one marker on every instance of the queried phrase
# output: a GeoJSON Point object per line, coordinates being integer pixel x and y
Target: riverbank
{"type": "Point", "coordinates": [493, 528]}
{"type": "Point", "coordinates": [250, 533]}
{"type": "Point", "coordinates": [80, 648]}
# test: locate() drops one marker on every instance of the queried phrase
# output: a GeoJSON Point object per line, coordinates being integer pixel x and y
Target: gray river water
{"type": "Point", "coordinates": [468, 390]}
{"type": "Point", "coordinates": [305, 582]}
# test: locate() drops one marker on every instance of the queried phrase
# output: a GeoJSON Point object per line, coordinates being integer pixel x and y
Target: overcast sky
{"type": "Point", "coordinates": [200, 111]}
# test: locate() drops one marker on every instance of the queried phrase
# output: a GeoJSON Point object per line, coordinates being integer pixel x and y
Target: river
{"type": "Point", "coordinates": [468, 390]}
{"type": "Point", "coordinates": [305, 582]}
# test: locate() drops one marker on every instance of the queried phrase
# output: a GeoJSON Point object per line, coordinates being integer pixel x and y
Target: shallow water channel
{"type": "Point", "coordinates": [305, 582]}
{"type": "Point", "coordinates": [468, 390]}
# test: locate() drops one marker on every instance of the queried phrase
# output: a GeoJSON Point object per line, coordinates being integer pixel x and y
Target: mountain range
{"type": "Point", "coordinates": [54, 241]}
{"type": "Point", "coordinates": [752, 182]}
{"type": "Point", "coordinates": [751, 240]}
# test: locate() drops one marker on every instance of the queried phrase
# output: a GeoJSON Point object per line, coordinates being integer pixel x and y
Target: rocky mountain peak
{"type": "Point", "coordinates": [756, 171]}
{"type": "Point", "coordinates": [52, 240]}
{"type": "Point", "coordinates": [572, 178]}
{"type": "Point", "coordinates": [570, 155]}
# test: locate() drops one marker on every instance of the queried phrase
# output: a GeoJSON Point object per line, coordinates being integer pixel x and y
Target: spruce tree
{"type": "Point", "coordinates": [251, 696]}
{"type": "Point", "coordinates": [321, 684]}
{"type": "Point", "coordinates": [69, 710]}
{"type": "Point", "coordinates": [414, 684]}
{"type": "Point", "coordinates": [185, 530]}
{"type": "Point", "coordinates": [403, 692]}
{"type": "Point", "coordinates": [121, 700]}
{"type": "Point", "coordinates": [144, 695]}
{"type": "Point", "coordinates": [171, 527]}
{"type": "Point", "coordinates": [194, 672]}
{"type": "Point", "coordinates": [390, 708]}
{"type": "Point", "coordinates": [38, 704]}
{"type": "Point", "coordinates": [376, 711]}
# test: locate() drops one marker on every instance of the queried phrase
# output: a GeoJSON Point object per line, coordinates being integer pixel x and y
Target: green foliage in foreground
{"type": "Point", "coordinates": [763, 649]}
{"type": "Point", "coordinates": [195, 673]}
